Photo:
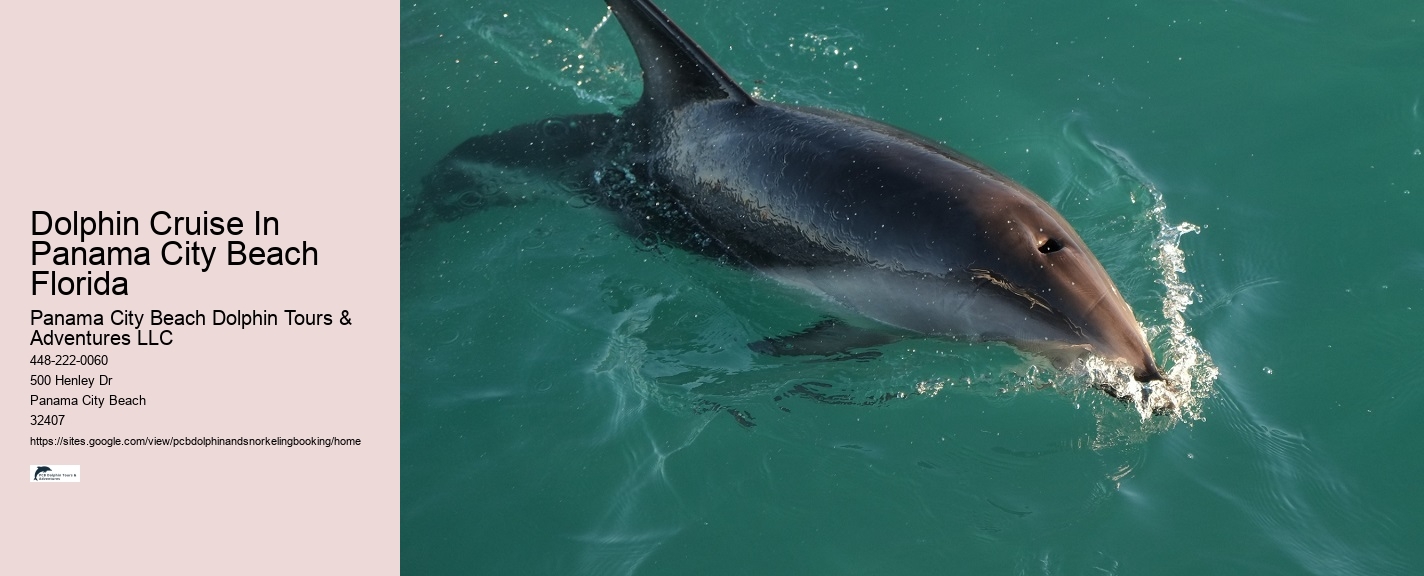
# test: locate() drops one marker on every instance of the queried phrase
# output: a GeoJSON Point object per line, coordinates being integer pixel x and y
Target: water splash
{"type": "Point", "coordinates": [828, 50]}
{"type": "Point", "coordinates": [825, 45]}
{"type": "Point", "coordinates": [1189, 370]}
{"type": "Point", "coordinates": [562, 55]}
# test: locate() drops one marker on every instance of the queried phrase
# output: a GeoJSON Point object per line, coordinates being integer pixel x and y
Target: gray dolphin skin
{"type": "Point", "coordinates": [900, 235]}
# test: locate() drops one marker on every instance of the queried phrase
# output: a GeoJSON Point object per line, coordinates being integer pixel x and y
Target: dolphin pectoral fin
{"type": "Point", "coordinates": [830, 337]}
{"type": "Point", "coordinates": [497, 169]}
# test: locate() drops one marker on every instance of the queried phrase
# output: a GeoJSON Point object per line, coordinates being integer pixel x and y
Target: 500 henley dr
{"type": "Point", "coordinates": [173, 252]}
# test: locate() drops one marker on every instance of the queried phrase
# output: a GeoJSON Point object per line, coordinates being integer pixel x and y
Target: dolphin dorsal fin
{"type": "Point", "coordinates": [675, 70]}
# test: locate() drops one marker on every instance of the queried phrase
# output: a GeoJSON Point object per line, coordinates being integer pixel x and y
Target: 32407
{"type": "Point", "coordinates": [46, 419]}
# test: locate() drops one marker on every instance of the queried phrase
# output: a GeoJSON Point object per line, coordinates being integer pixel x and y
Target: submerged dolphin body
{"type": "Point", "coordinates": [887, 225]}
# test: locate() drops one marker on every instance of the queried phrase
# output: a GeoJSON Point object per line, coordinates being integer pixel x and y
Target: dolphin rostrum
{"type": "Point", "coordinates": [892, 229]}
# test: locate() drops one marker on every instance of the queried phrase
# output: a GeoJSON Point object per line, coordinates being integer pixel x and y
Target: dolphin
{"type": "Point", "coordinates": [899, 234]}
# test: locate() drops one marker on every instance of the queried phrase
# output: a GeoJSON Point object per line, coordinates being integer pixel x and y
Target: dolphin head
{"type": "Point", "coordinates": [1030, 253]}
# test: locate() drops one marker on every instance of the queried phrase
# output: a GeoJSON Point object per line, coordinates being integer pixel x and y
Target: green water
{"type": "Point", "coordinates": [558, 377]}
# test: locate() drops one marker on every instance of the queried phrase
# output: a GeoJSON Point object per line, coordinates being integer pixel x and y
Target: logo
{"type": "Point", "coordinates": [54, 473]}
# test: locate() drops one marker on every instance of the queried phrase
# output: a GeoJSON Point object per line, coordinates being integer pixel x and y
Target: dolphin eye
{"type": "Point", "coordinates": [1050, 246]}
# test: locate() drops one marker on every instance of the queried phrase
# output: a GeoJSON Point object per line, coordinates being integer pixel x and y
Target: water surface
{"type": "Point", "coordinates": [1250, 173]}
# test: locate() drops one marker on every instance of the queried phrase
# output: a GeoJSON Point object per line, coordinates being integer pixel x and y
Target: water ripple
{"type": "Point", "coordinates": [1300, 499]}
